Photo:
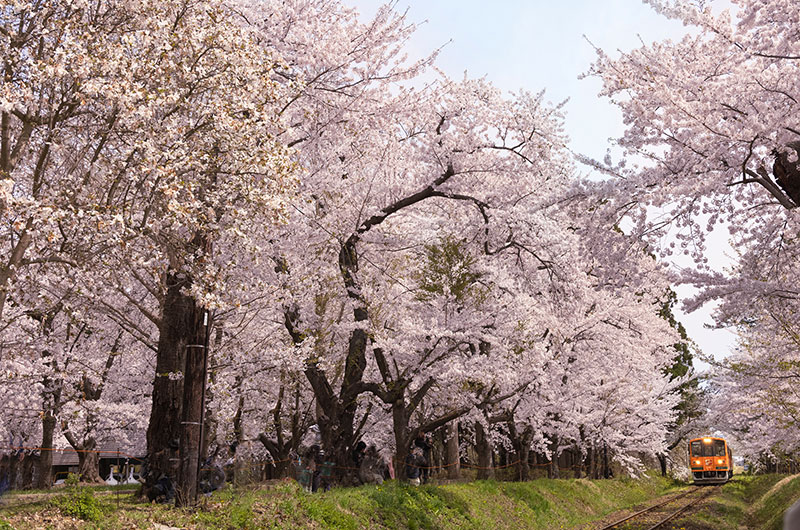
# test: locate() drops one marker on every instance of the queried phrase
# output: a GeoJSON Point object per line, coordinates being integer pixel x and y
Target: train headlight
{"type": "Point", "coordinates": [697, 462]}
{"type": "Point", "coordinates": [719, 461]}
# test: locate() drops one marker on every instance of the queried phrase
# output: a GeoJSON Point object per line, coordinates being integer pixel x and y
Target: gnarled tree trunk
{"type": "Point", "coordinates": [89, 462]}
{"type": "Point", "coordinates": [163, 431]}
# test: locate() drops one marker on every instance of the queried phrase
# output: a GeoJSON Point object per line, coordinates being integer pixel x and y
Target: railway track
{"type": "Point", "coordinates": [658, 515]}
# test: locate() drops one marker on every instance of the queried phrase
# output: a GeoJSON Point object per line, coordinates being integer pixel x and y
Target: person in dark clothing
{"type": "Point", "coordinates": [422, 443]}
{"type": "Point", "coordinates": [211, 476]}
{"type": "Point", "coordinates": [358, 453]}
{"type": "Point", "coordinates": [163, 491]}
{"type": "Point", "coordinates": [315, 458]}
{"type": "Point", "coordinates": [415, 463]}
{"type": "Point", "coordinates": [5, 482]}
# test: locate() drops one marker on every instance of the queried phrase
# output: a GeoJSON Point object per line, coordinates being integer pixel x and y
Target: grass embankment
{"type": "Point", "coordinates": [475, 505]}
{"type": "Point", "coordinates": [756, 501]}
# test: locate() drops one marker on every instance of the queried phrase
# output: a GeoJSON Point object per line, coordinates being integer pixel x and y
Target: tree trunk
{"type": "Point", "coordinates": [339, 433]}
{"type": "Point", "coordinates": [402, 439]}
{"type": "Point", "coordinates": [163, 431]}
{"type": "Point", "coordinates": [280, 448]}
{"type": "Point", "coordinates": [192, 414]}
{"type": "Point", "coordinates": [521, 441]}
{"type": "Point", "coordinates": [524, 467]}
{"type": "Point", "coordinates": [89, 462]}
{"type": "Point", "coordinates": [553, 471]}
{"type": "Point", "coordinates": [11, 467]}
{"type": "Point", "coordinates": [29, 471]}
{"type": "Point", "coordinates": [238, 440]}
{"type": "Point", "coordinates": [452, 451]}
{"type": "Point", "coordinates": [279, 454]}
{"type": "Point", "coordinates": [51, 404]}
{"type": "Point", "coordinates": [45, 474]}
{"type": "Point", "coordinates": [210, 422]}
{"type": "Point", "coordinates": [568, 460]}
{"type": "Point", "coordinates": [484, 450]}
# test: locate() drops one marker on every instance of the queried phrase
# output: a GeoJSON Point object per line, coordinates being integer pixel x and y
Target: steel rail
{"type": "Point", "coordinates": [686, 507]}
{"type": "Point", "coordinates": [651, 508]}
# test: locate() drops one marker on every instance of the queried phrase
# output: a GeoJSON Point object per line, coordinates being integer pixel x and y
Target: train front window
{"type": "Point", "coordinates": [710, 448]}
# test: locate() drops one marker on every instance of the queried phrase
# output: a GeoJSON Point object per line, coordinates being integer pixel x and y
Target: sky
{"type": "Point", "coordinates": [547, 44]}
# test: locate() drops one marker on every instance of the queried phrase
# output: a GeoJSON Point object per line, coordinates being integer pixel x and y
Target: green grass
{"type": "Point", "coordinates": [768, 514]}
{"type": "Point", "coordinates": [397, 506]}
{"type": "Point", "coordinates": [748, 501]}
{"type": "Point", "coordinates": [476, 505]}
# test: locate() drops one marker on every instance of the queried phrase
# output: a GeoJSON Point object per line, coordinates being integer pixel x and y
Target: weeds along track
{"type": "Point", "coordinates": [658, 515]}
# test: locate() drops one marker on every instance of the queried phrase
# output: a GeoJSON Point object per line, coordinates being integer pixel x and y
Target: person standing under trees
{"type": "Point", "coordinates": [388, 467]}
{"type": "Point", "coordinates": [314, 462]}
{"type": "Point", "coordinates": [415, 463]}
{"type": "Point", "coordinates": [358, 453]}
{"type": "Point", "coordinates": [422, 443]}
{"type": "Point", "coordinates": [5, 482]}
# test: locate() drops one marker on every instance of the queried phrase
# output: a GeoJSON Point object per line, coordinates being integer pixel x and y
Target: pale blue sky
{"type": "Point", "coordinates": [540, 44]}
{"type": "Point", "coordinates": [536, 45]}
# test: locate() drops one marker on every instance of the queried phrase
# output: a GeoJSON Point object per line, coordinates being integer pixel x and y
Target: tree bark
{"type": "Point", "coordinates": [89, 462]}
{"type": "Point", "coordinates": [453, 453]}
{"type": "Point", "coordinates": [553, 471]}
{"type": "Point", "coordinates": [45, 474]}
{"type": "Point", "coordinates": [163, 431]}
{"type": "Point", "coordinates": [192, 411]}
{"type": "Point", "coordinates": [484, 449]}
{"type": "Point", "coordinates": [521, 442]}
{"type": "Point", "coordinates": [523, 453]}
{"type": "Point", "coordinates": [402, 438]}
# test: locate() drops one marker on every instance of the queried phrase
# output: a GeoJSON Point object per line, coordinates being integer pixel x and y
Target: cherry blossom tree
{"type": "Point", "coordinates": [151, 121]}
{"type": "Point", "coordinates": [754, 395]}
{"type": "Point", "coordinates": [387, 172]}
{"type": "Point", "coordinates": [712, 119]}
{"type": "Point", "coordinates": [98, 406]}
{"type": "Point", "coordinates": [343, 236]}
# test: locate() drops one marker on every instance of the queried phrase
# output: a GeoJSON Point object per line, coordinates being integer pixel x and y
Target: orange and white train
{"type": "Point", "coordinates": [710, 460]}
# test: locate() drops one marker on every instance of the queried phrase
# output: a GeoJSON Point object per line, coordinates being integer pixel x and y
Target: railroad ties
{"type": "Point", "coordinates": [658, 515]}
